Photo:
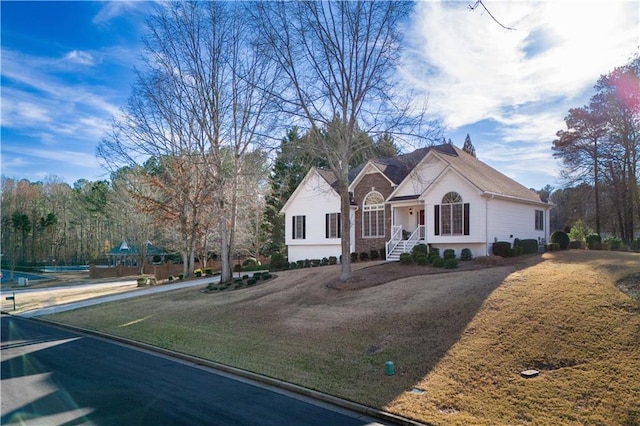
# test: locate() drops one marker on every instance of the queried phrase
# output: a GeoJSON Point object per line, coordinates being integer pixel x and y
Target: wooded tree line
{"type": "Point", "coordinates": [600, 149]}
{"type": "Point", "coordinates": [53, 223]}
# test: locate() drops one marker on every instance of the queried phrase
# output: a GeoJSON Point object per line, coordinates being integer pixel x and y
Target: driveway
{"type": "Point", "coordinates": [104, 299]}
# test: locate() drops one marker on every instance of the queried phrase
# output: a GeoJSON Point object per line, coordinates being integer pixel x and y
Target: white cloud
{"type": "Point", "coordinates": [80, 57]}
{"type": "Point", "coordinates": [110, 10]}
{"type": "Point", "coordinates": [64, 157]}
{"type": "Point", "coordinates": [35, 98]}
{"type": "Point", "coordinates": [476, 67]}
{"type": "Point", "coordinates": [522, 81]}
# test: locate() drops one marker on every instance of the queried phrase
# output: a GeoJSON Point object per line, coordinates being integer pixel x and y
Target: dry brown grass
{"type": "Point", "coordinates": [463, 336]}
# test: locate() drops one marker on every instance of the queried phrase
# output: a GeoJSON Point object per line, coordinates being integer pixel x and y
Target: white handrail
{"type": "Point", "coordinates": [412, 241]}
{"type": "Point", "coordinates": [396, 231]}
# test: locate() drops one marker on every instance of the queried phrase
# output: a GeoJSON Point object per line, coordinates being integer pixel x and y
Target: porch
{"type": "Point", "coordinates": [407, 230]}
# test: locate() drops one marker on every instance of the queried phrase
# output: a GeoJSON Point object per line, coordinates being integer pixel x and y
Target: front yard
{"type": "Point", "coordinates": [461, 338]}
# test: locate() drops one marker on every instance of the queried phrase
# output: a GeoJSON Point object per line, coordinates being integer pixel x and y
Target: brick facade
{"type": "Point", "coordinates": [380, 184]}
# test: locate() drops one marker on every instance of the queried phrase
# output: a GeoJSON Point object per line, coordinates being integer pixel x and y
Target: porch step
{"type": "Point", "coordinates": [401, 248]}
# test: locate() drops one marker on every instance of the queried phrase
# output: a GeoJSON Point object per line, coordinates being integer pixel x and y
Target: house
{"type": "Point", "coordinates": [440, 196]}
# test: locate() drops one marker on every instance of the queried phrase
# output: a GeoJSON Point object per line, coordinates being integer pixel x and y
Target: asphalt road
{"type": "Point", "coordinates": [51, 376]}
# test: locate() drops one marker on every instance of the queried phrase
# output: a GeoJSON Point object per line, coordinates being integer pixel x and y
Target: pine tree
{"type": "Point", "coordinates": [288, 171]}
{"type": "Point", "coordinates": [468, 146]}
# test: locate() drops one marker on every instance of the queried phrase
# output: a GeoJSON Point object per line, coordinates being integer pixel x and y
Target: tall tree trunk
{"type": "Point", "coordinates": [345, 211]}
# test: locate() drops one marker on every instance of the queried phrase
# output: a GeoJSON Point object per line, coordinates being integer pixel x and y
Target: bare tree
{"type": "Point", "coordinates": [336, 60]}
{"type": "Point", "coordinates": [199, 108]}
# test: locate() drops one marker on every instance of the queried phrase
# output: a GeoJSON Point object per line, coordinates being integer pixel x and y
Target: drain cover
{"type": "Point", "coordinates": [528, 374]}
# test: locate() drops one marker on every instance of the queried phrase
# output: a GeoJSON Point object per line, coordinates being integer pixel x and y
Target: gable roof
{"type": "Point", "coordinates": [486, 178]}
{"type": "Point", "coordinates": [124, 248]}
{"type": "Point", "coordinates": [327, 175]}
{"type": "Point", "coordinates": [396, 169]}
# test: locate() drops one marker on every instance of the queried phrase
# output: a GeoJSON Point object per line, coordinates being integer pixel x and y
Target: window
{"type": "Point", "coordinates": [299, 227]}
{"type": "Point", "coordinates": [373, 215]}
{"type": "Point", "coordinates": [451, 216]}
{"type": "Point", "coordinates": [332, 225]}
{"type": "Point", "coordinates": [539, 220]}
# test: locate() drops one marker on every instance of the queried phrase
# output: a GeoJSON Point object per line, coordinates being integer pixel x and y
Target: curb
{"type": "Point", "coordinates": [270, 381]}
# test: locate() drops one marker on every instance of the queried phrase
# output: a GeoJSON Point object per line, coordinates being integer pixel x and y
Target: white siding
{"type": "Point", "coordinates": [450, 181]}
{"type": "Point", "coordinates": [422, 176]}
{"type": "Point", "coordinates": [314, 200]}
{"type": "Point", "coordinates": [508, 220]}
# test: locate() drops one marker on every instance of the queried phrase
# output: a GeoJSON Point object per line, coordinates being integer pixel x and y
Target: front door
{"type": "Point", "coordinates": [421, 223]}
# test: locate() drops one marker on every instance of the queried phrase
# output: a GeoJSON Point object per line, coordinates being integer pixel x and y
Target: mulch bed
{"type": "Point", "coordinates": [381, 273]}
{"type": "Point", "coordinates": [630, 286]}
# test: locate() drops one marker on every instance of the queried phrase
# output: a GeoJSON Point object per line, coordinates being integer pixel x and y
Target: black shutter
{"type": "Point", "coordinates": [304, 227]}
{"type": "Point", "coordinates": [326, 225]}
{"type": "Point", "coordinates": [466, 219]}
{"type": "Point", "coordinates": [436, 220]}
{"type": "Point", "coordinates": [339, 226]}
{"type": "Point", "coordinates": [293, 227]}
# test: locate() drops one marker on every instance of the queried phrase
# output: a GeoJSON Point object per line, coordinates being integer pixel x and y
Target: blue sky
{"type": "Point", "coordinates": [67, 67]}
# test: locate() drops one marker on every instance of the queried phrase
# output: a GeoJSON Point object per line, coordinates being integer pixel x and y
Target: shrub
{"type": "Point", "coordinates": [333, 260]}
{"type": "Point", "coordinates": [449, 254]}
{"type": "Point", "coordinates": [236, 268]}
{"type": "Point", "coordinates": [266, 276]}
{"type": "Point", "coordinates": [171, 278]}
{"type": "Point", "coordinates": [292, 265]}
{"type": "Point", "coordinates": [364, 256]}
{"type": "Point", "coordinates": [142, 281]}
{"type": "Point", "coordinates": [245, 277]}
{"type": "Point", "coordinates": [420, 248]}
{"type": "Point", "coordinates": [257, 274]}
{"type": "Point", "coordinates": [181, 277]}
{"type": "Point", "coordinates": [552, 247]}
{"type": "Point", "coordinates": [249, 261]}
{"type": "Point", "coordinates": [374, 255]}
{"type": "Point", "coordinates": [421, 259]}
{"type": "Point", "coordinates": [315, 262]}
{"type": "Point", "coordinates": [300, 264]}
{"type": "Point", "coordinates": [635, 245]}
{"type": "Point", "coordinates": [561, 238]}
{"type": "Point", "coordinates": [307, 263]}
{"type": "Point", "coordinates": [277, 262]}
{"type": "Point", "coordinates": [575, 244]}
{"type": "Point", "coordinates": [197, 272]}
{"type": "Point", "coordinates": [529, 246]}
{"type": "Point", "coordinates": [251, 281]}
{"type": "Point", "coordinates": [437, 262]}
{"type": "Point", "coordinates": [615, 244]}
{"type": "Point", "coordinates": [354, 257]}
{"type": "Point", "coordinates": [383, 253]}
{"type": "Point", "coordinates": [502, 248]}
{"type": "Point", "coordinates": [594, 242]}
{"type": "Point", "coordinates": [208, 271]}
{"type": "Point", "coordinates": [433, 252]}
{"type": "Point", "coordinates": [237, 280]}
{"type": "Point", "coordinates": [579, 231]}
{"type": "Point", "coordinates": [465, 254]}
{"type": "Point", "coordinates": [516, 251]}
{"type": "Point", "coordinates": [324, 261]}
{"type": "Point", "coordinates": [450, 263]}
{"type": "Point", "coordinates": [405, 258]}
